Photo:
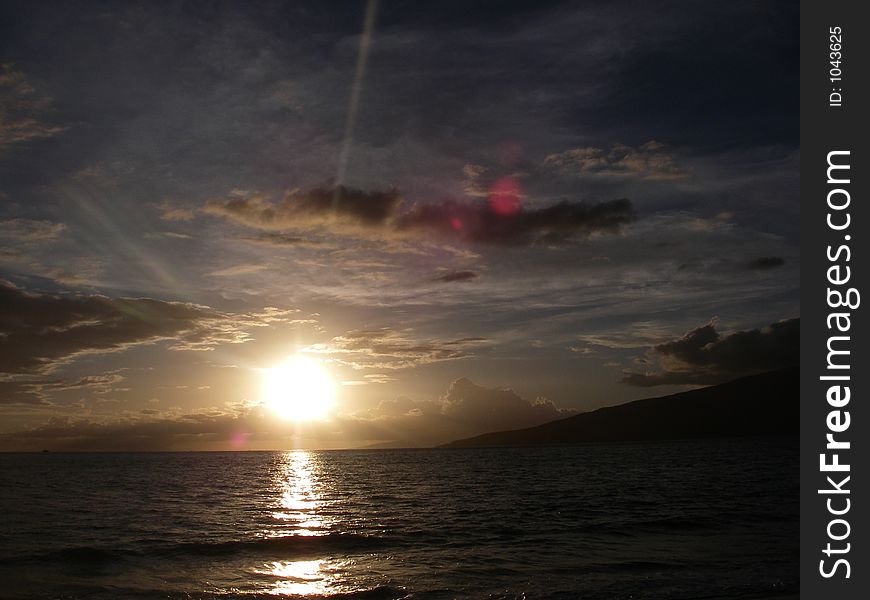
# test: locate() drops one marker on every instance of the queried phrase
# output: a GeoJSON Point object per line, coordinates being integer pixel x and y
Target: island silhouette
{"type": "Point", "coordinates": [766, 404]}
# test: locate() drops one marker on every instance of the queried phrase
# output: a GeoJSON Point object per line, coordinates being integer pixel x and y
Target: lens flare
{"type": "Point", "coordinates": [505, 196]}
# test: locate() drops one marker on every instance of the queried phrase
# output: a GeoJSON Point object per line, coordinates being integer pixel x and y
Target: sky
{"type": "Point", "coordinates": [470, 216]}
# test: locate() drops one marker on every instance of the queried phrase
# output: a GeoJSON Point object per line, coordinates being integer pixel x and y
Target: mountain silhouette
{"type": "Point", "coordinates": [765, 404]}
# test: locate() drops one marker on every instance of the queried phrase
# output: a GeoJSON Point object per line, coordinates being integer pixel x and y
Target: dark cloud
{"type": "Point", "coordinates": [765, 262]}
{"type": "Point", "coordinates": [379, 215]}
{"type": "Point", "coordinates": [457, 276]}
{"type": "Point", "coordinates": [704, 356]}
{"type": "Point", "coordinates": [493, 409]}
{"type": "Point", "coordinates": [38, 330]}
{"type": "Point", "coordinates": [477, 222]}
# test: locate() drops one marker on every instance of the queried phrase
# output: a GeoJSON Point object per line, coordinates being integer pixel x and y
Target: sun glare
{"type": "Point", "coordinates": [299, 389]}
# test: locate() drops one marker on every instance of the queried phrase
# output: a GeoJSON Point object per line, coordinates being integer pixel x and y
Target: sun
{"type": "Point", "coordinates": [299, 389]}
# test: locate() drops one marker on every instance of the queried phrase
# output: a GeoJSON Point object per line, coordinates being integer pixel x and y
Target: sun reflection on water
{"type": "Point", "coordinates": [298, 512]}
{"type": "Point", "coordinates": [300, 499]}
{"type": "Point", "coordinates": [322, 577]}
{"type": "Point", "coordinates": [300, 577]}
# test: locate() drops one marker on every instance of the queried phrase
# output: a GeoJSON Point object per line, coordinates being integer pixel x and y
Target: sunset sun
{"type": "Point", "coordinates": [299, 389]}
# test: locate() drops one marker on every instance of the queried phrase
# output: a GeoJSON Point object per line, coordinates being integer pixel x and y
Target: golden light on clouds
{"type": "Point", "coordinates": [299, 389]}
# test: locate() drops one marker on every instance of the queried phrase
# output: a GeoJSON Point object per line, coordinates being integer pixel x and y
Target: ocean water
{"type": "Point", "coordinates": [675, 520]}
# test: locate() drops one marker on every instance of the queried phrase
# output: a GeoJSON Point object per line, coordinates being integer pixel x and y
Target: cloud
{"type": "Point", "coordinates": [21, 108]}
{"type": "Point", "coordinates": [169, 212]}
{"type": "Point", "coordinates": [220, 328]}
{"type": "Point", "coordinates": [388, 349]}
{"type": "Point", "coordinates": [457, 276]}
{"type": "Point", "coordinates": [381, 215]}
{"type": "Point", "coordinates": [647, 161]}
{"type": "Point", "coordinates": [236, 270]}
{"type": "Point", "coordinates": [637, 334]}
{"type": "Point", "coordinates": [74, 272]}
{"type": "Point", "coordinates": [39, 330]}
{"type": "Point", "coordinates": [282, 240]}
{"type": "Point", "coordinates": [493, 408]}
{"type": "Point", "coordinates": [26, 245]}
{"type": "Point", "coordinates": [29, 230]}
{"type": "Point", "coordinates": [149, 430]}
{"type": "Point", "coordinates": [402, 406]}
{"type": "Point", "coordinates": [320, 207]}
{"type": "Point", "coordinates": [168, 234]}
{"type": "Point", "coordinates": [473, 175]}
{"type": "Point", "coordinates": [764, 263]}
{"type": "Point", "coordinates": [703, 356]}
{"type": "Point", "coordinates": [17, 390]}
{"type": "Point", "coordinates": [466, 409]}
{"type": "Point", "coordinates": [370, 378]}
{"type": "Point", "coordinates": [22, 392]}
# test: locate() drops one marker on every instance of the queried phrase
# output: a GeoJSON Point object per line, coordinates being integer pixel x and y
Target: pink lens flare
{"type": "Point", "coordinates": [239, 439]}
{"type": "Point", "coordinates": [505, 196]}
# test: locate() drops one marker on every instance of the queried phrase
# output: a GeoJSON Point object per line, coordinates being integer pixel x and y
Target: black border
{"type": "Point", "coordinates": [824, 129]}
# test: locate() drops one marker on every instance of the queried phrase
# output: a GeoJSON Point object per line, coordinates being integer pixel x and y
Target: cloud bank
{"type": "Point", "coordinates": [382, 215]}
{"type": "Point", "coordinates": [466, 409]}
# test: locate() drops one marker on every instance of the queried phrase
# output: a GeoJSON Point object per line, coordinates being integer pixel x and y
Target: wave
{"type": "Point", "coordinates": [634, 527]}
{"type": "Point", "coordinates": [83, 592]}
{"type": "Point", "coordinates": [381, 592]}
{"type": "Point", "coordinates": [278, 547]}
{"type": "Point", "coordinates": [293, 544]}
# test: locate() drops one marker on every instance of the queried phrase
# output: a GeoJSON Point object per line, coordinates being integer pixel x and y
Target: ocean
{"type": "Point", "coordinates": [666, 520]}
